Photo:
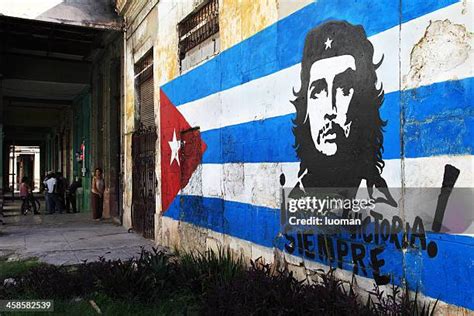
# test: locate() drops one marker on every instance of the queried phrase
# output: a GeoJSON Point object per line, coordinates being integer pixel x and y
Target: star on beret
{"type": "Point", "coordinates": [327, 44]}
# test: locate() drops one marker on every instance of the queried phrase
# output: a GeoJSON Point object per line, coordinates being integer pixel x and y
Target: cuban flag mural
{"type": "Point", "coordinates": [375, 95]}
{"type": "Point", "coordinates": [181, 151]}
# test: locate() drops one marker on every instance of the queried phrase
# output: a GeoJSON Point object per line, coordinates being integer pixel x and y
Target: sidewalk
{"type": "Point", "coordinates": [64, 239]}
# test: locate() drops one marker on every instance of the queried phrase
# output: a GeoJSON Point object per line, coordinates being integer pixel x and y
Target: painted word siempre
{"type": "Point", "coordinates": [363, 245]}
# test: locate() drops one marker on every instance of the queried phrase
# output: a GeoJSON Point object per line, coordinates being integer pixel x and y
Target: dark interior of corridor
{"type": "Point", "coordinates": [49, 96]}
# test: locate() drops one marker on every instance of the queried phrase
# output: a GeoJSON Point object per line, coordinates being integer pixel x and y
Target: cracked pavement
{"type": "Point", "coordinates": [65, 239]}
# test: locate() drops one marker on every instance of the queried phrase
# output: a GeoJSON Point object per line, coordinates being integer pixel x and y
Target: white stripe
{"type": "Point", "coordinates": [270, 96]}
{"type": "Point", "coordinates": [259, 183]}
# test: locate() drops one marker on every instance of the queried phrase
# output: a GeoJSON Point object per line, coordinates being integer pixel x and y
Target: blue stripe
{"type": "Point", "coordinates": [254, 223]}
{"type": "Point", "coordinates": [439, 121]}
{"type": "Point", "coordinates": [280, 45]}
{"type": "Point", "coordinates": [446, 276]}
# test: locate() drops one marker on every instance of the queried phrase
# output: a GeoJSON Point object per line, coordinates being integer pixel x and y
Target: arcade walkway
{"type": "Point", "coordinates": [64, 239]}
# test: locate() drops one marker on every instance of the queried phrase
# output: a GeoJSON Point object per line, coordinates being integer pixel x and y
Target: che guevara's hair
{"type": "Point", "coordinates": [366, 136]}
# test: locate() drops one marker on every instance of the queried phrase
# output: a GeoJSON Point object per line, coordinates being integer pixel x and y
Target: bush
{"type": "Point", "coordinates": [210, 283]}
{"type": "Point", "coordinates": [262, 291]}
{"type": "Point", "coordinates": [144, 279]}
{"type": "Point", "coordinates": [46, 281]}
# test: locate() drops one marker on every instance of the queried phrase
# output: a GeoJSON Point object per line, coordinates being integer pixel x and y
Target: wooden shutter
{"type": "Point", "coordinates": [147, 112]}
{"type": "Point", "coordinates": [144, 79]}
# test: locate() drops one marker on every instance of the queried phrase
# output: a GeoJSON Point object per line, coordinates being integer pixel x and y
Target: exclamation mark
{"type": "Point", "coordinates": [451, 175]}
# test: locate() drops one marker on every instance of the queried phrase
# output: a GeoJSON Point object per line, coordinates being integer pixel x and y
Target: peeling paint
{"type": "Point", "coordinates": [234, 180]}
{"type": "Point", "coordinates": [192, 238]}
{"type": "Point", "coordinates": [444, 46]}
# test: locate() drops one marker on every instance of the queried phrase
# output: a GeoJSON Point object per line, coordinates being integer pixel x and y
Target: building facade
{"type": "Point", "coordinates": [234, 85]}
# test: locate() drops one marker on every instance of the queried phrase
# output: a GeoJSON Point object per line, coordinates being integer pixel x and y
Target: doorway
{"type": "Point", "coordinates": [143, 151]}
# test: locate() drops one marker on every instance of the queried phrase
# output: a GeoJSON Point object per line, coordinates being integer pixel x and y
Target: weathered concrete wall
{"type": "Point", "coordinates": [141, 35]}
{"type": "Point", "coordinates": [241, 100]}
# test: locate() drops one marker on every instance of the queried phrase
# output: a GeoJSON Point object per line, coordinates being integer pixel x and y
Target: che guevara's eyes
{"type": "Point", "coordinates": [317, 87]}
{"type": "Point", "coordinates": [344, 82]}
{"type": "Point", "coordinates": [344, 89]}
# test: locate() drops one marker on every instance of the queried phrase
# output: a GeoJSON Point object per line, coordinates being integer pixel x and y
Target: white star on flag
{"type": "Point", "coordinates": [327, 44]}
{"type": "Point", "coordinates": [174, 145]}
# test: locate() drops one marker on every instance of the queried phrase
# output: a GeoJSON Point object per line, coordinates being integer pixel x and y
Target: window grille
{"type": "Point", "coordinates": [198, 27]}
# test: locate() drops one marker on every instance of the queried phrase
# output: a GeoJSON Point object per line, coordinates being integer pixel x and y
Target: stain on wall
{"type": "Point", "coordinates": [241, 19]}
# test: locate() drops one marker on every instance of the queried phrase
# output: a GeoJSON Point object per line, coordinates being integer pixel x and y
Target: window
{"type": "Point", "coordinates": [199, 35]}
{"type": "Point", "coordinates": [145, 91]}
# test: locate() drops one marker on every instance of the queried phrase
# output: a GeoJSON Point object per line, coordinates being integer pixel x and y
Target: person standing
{"type": "Point", "coordinates": [26, 195]}
{"type": "Point", "coordinates": [50, 184]}
{"type": "Point", "coordinates": [61, 185]}
{"type": "Point", "coordinates": [24, 191]}
{"type": "Point", "coordinates": [44, 189]}
{"type": "Point", "coordinates": [98, 188]}
{"type": "Point", "coordinates": [71, 195]}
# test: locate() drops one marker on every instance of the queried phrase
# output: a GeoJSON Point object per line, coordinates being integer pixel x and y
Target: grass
{"type": "Point", "coordinates": [11, 269]}
{"type": "Point", "coordinates": [108, 306]}
{"type": "Point", "coordinates": [181, 304]}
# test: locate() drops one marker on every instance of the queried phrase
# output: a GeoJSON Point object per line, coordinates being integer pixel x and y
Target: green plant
{"type": "Point", "coordinates": [146, 278]}
{"type": "Point", "coordinates": [46, 281]}
{"type": "Point", "coordinates": [263, 291]}
{"type": "Point", "coordinates": [202, 270]}
{"type": "Point", "coordinates": [399, 302]}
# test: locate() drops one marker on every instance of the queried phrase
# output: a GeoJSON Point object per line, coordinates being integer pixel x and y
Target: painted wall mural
{"type": "Point", "coordinates": [338, 128]}
{"type": "Point", "coordinates": [344, 99]}
{"type": "Point", "coordinates": [339, 141]}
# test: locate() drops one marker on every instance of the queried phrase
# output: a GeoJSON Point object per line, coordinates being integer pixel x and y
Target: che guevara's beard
{"type": "Point", "coordinates": [341, 168]}
{"type": "Point", "coordinates": [333, 132]}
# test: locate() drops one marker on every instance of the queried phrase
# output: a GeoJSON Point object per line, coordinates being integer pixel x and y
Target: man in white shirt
{"type": "Point", "coordinates": [50, 183]}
